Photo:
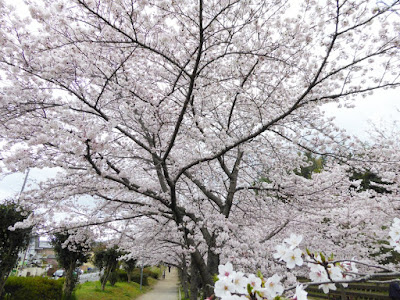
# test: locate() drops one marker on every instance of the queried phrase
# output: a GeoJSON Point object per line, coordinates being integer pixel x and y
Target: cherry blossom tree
{"type": "Point", "coordinates": [194, 117]}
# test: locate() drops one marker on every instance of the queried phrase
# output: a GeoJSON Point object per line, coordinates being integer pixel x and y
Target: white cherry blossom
{"type": "Point", "coordinates": [273, 286]}
{"type": "Point", "coordinates": [240, 282]}
{"type": "Point", "coordinates": [327, 286]}
{"type": "Point", "coordinates": [199, 122]}
{"type": "Point", "coordinates": [254, 281]}
{"type": "Point", "coordinates": [317, 273]}
{"type": "Point", "coordinates": [280, 251]}
{"type": "Point", "coordinates": [226, 270]}
{"type": "Point", "coordinates": [293, 257]}
{"type": "Point", "coordinates": [301, 294]}
{"type": "Point", "coordinates": [224, 288]}
{"type": "Point", "coordinates": [293, 241]}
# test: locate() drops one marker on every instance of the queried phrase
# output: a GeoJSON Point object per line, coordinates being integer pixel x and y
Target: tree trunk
{"type": "Point", "coordinates": [7, 266]}
{"type": "Point", "coordinates": [184, 278]}
{"type": "Point", "coordinates": [104, 278]}
{"type": "Point", "coordinates": [3, 279]}
{"type": "Point", "coordinates": [129, 276]}
{"type": "Point", "coordinates": [194, 282]}
{"type": "Point", "coordinates": [204, 272]}
{"type": "Point", "coordinates": [69, 283]}
{"type": "Point", "coordinates": [212, 269]}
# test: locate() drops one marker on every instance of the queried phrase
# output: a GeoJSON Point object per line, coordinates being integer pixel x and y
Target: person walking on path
{"type": "Point", "coordinates": [166, 289]}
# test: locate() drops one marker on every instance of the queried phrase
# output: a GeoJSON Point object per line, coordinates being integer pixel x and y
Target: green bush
{"type": "Point", "coordinates": [151, 273]}
{"type": "Point", "coordinates": [22, 288]}
{"type": "Point", "coordinates": [114, 276]}
{"type": "Point", "coordinates": [135, 276]}
{"type": "Point", "coordinates": [122, 275]}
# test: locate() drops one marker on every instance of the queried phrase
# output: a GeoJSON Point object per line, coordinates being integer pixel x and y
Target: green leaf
{"type": "Point", "coordinates": [215, 278]}
{"type": "Point", "coordinates": [249, 288]}
{"type": "Point", "coordinates": [323, 259]}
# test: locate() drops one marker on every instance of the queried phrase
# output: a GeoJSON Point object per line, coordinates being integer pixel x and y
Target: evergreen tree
{"type": "Point", "coordinates": [72, 250]}
{"type": "Point", "coordinates": [11, 241]}
{"type": "Point", "coordinates": [107, 259]}
{"type": "Point", "coordinates": [129, 265]}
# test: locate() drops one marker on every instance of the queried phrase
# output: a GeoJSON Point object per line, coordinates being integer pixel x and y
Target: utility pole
{"type": "Point", "coordinates": [23, 185]}
{"type": "Point", "coordinates": [19, 196]}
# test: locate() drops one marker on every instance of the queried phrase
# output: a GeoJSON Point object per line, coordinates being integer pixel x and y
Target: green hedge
{"type": "Point", "coordinates": [152, 273]}
{"type": "Point", "coordinates": [22, 288]}
{"type": "Point", "coordinates": [135, 276]}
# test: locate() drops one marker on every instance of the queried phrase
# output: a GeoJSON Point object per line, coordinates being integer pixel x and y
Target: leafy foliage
{"type": "Point", "coordinates": [129, 265]}
{"type": "Point", "coordinates": [22, 288]}
{"type": "Point", "coordinates": [314, 165]}
{"type": "Point", "coordinates": [107, 259]}
{"type": "Point", "coordinates": [370, 181]}
{"type": "Point", "coordinates": [11, 241]}
{"type": "Point", "coordinates": [71, 252]}
{"type": "Point", "coordinates": [135, 276]}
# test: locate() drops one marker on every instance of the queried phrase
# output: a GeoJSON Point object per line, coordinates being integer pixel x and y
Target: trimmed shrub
{"type": "Point", "coordinates": [151, 273]}
{"type": "Point", "coordinates": [114, 277]}
{"type": "Point", "coordinates": [135, 276]}
{"type": "Point", "coordinates": [22, 288]}
{"type": "Point", "coordinates": [122, 275]}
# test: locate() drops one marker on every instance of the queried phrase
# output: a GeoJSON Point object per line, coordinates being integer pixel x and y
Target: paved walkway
{"type": "Point", "coordinates": [165, 289]}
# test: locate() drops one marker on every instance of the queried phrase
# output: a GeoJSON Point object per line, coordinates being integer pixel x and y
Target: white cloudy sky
{"type": "Point", "coordinates": [380, 109]}
{"type": "Point", "coordinates": [11, 184]}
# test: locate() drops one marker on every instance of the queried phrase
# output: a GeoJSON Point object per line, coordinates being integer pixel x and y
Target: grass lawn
{"type": "Point", "coordinates": [121, 290]}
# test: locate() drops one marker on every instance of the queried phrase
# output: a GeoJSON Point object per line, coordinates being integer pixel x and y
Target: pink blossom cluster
{"type": "Point", "coordinates": [321, 271]}
{"type": "Point", "coordinates": [288, 251]}
{"type": "Point", "coordinates": [395, 234]}
{"type": "Point", "coordinates": [233, 285]}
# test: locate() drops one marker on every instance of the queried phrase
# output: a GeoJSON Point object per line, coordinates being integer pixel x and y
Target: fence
{"type": "Point", "coordinates": [354, 291]}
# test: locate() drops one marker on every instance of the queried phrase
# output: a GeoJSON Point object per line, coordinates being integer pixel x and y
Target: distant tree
{"type": "Point", "coordinates": [107, 259]}
{"type": "Point", "coordinates": [370, 181]}
{"type": "Point", "coordinates": [385, 254]}
{"type": "Point", "coordinates": [129, 265]}
{"type": "Point", "coordinates": [314, 164]}
{"type": "Point", "coordinates": [11, 241]}
{"type": "Point", "coordinates": [72, 250]}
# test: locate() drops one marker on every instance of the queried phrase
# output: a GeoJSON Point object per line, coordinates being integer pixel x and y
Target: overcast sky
{"type": "Point", "coordinates": [382, 109]}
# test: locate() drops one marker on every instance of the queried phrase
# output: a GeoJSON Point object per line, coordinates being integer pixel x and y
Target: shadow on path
{"type": "Point", "coordinates": [165, 289]}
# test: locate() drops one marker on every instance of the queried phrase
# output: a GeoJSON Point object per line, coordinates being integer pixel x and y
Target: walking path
{"type": "Point", "coordinates": [165, 289]}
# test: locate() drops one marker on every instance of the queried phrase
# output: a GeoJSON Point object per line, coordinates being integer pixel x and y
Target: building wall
{"type": "Point", "coordinates": [32, 272]}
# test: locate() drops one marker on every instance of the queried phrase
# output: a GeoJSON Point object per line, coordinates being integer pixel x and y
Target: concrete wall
{"type": "Point", "coordinates": [32, 272]}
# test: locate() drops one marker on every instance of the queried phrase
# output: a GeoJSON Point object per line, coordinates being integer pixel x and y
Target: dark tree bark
{"type": "Point", "coordinates": [69, 283]}
{"type": "Point", "coordinates": [195, 282]}
{"type": "Point", "coordinates": [184, 276]}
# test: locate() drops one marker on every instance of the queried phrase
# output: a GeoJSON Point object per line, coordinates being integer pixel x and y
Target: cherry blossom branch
{"type": "Point", "coordinates": [191, 84]}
